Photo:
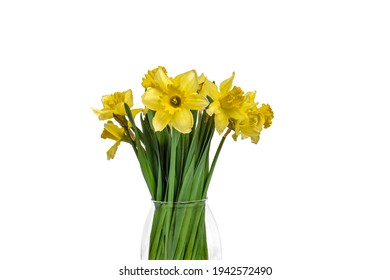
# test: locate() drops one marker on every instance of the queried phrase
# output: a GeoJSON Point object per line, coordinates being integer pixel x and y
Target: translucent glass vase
{"type": "Point", "coordinates": [180, 231]}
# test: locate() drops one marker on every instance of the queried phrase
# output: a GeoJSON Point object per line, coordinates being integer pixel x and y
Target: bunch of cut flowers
{"type": "Point", "coordinates": [171, 138]}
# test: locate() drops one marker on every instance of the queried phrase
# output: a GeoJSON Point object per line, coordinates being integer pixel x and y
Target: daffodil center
{"type": "Point", "coordinates": [175, 101]}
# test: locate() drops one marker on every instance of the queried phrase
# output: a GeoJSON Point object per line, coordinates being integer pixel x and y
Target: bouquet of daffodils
{"type": "Point", "coordinates": [172, 142]}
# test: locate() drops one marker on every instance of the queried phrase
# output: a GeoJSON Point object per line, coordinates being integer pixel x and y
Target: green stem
{"type": "Point", "coordinates": [206, 187]}
{"type": "Point", "coordinates": [157, 231]}
{"type": "Point", "coordinates": [197, 232]}
{"type": "Point", "coordinates": [200, 251]}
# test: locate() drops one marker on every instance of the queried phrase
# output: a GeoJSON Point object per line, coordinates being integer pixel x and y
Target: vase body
{"type": "Point", "coordinates": [180, 231]}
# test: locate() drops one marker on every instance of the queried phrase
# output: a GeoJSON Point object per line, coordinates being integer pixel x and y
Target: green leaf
{"type": "Point", "coordinates": [142, 158]}
{"type": "Point", "coordinates": [172, 165]}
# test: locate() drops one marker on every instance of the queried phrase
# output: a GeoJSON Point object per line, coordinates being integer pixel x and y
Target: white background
{"type": "Point", "coordinates": [311, 199]}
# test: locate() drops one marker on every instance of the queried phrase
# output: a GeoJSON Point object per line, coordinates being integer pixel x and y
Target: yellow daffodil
{"type": "Point", "coordinates": [256, 119]}
{"type": "Point", "coordinates": [114, 104]}
{"type": "Point", "coordinates": [227, 102]}
{"type": "Point", "coordinates": [173, 100]}
{"type": "Point", "coordinates": [148, 80]}
{"type": "Point", "coordinates": [268, 114]}
{"type": "Point", "coordinates": [112, 131]}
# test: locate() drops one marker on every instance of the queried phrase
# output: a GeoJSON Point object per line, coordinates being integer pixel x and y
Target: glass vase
{"type": "Point", "coordinates": [180, 231]}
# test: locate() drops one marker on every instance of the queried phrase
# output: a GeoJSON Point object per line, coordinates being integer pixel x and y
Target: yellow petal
{"type": "Point", "coordinates": [221, 121]}
{"type": "Point", "coordinates": [255, 139]}
{"type": "Point", "coordinates": [250, 97]}
{"type": "Point", "coordinates": [107, 135]}
{"type": "Point", "coordinates": [226, 85]}
{"type": "Point", "coordinates": [187, 81]}
{"type": "Point", "coordinates": [235, 114]}
{"type": "Point", "coordinates": [183, 121]}
{"type": "Point", "coordinates": [195, 102]}
{"type": "Point", "coordinates": [151, 99]}
{"type": "Point", "coordinates": [211, 90]}
{"type": "Point", "coordinates": [129, 98]}
{"type": "Point", "coordinates": [135, 112]}
{"type": "Point", "coordinates": [114, 130]}
{"type": "Point", "coordinates": [162, 80]}
{"type": "Point", "coordinates": [148, 80]}
{"type": "Point", "coordinates": [213, 108]}
{"type": "Point", "coordinates": [112, 151]}
{"type": "Point", "coordinates": [201, 79]}
{"type": "Point", "coordinates": [120, 109]}
{"type": "Point", "coordinates": [161, 119]}
{"type": "Point", "coordinates": [103, 115]}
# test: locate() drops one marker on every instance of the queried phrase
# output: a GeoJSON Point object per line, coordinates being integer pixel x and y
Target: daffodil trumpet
{"type": "Point", "coordinates": [172, 142]}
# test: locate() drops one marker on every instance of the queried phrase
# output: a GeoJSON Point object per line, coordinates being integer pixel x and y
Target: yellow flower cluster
{"type": "Point", "coordinates": [114, 107]}
{"type": "Point", "coordinates": [175, 99]}
{"type": "Point", "coordinates": [236, 110]}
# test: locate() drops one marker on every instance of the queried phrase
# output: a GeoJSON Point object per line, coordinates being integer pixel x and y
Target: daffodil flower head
{"type": "Point", "coordinates": [256, 119]}
{"type": "Point", "coordinates": [114, 104]}
{"type": "Point", "coordinates": [267, 113]}
{"type": "Point", "coordinates": [112, 131]}
{"type": "Point", "coordinates": [148, 80]}
{"type": "Point", "coordinates": [173, 100]}
{"type": "Point", "coordinates": [227, 103]}
{"type": "Point", "coordinates": [233, 99]}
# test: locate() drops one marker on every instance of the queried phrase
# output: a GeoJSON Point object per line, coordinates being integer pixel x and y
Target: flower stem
{"type": "Point", "coordinates": [206, 187]}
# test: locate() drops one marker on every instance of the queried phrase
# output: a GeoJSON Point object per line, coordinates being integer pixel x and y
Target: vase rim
{"type": "Point", "coordinates": [180, 202]}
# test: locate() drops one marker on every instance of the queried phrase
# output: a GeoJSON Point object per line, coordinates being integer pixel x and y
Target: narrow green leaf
{"type": "Point", "coordinates": [144, 163]}
{"type": "Point", "coordinates": [213, 166]}
{"type": "Point", "coordinates": [172, 165]}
